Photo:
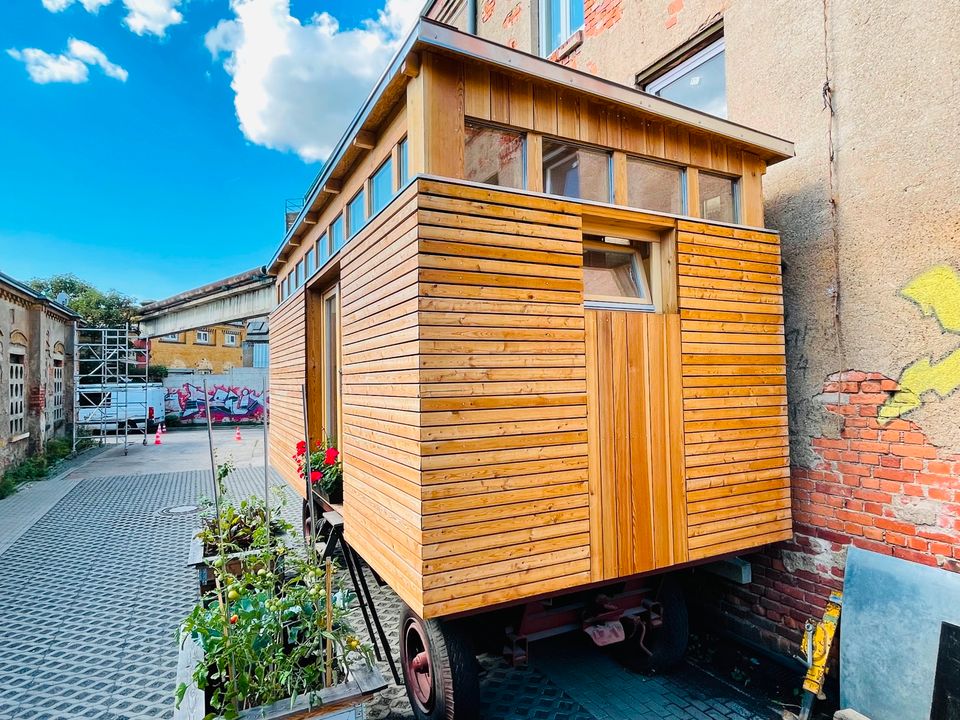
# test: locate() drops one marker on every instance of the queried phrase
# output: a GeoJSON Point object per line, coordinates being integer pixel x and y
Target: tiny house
{"type": "Point", "coordinates": [541, 315]}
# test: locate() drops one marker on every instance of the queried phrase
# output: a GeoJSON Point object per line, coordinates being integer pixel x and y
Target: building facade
{"type": "Point", "coordinates": [871, 261]}
{"type": "Point", "coordinates": [36, 370]}
{"type": "Point", "coordinates": [209, 349]}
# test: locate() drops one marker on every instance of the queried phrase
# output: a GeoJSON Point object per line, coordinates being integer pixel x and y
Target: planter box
{"type": "Point", "coordinates": [235, 564]}
{"type": "Point", "coordinates": [338, 701]}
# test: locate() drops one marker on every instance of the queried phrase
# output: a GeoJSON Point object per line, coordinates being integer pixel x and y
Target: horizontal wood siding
{"type": "Point", "coordinates": [380, 398]}
{"type": "Point", "coordinates": [502, 398]}
{"type": "Point", "coordinates": [638, 513]}
{"type": "Point", "coordinates": [287, 374]}
{"type": "Point", "coordinates": [734, 388]}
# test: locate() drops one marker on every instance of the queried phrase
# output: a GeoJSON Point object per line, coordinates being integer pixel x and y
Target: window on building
{"type": "Point", "coordinates": [336, 233]}
{"type": "Point", "coordinates": [331, 364]}
{"type": "Point", "coordinates": [381, 187]}
{"type": "Point", "coordinates": [403, 160]}
{"type": "Point", "coordinates": [719, 198]}
{"type": "Point", "coordinates": [15, 386]}
{"type": "Point", "coordinates": [322, 250]}
{"type": "Point", "coordinates": [357, 213]}
{"type": "Point", "coordinates": [308, 264]}
{"type": "Point", "coordinates": [654, 186]}
{"type": "Point", "coordinates": [576, 171]}
{"type": "Point", "coordinates": [559, 19]}
{"type": "Point", "coordinates": [617, 272]}
{"type": "Point", "coordinates": [203, 337]}
{"type": "Point", "coordinates": [230, 339]}
{"type": "Point", "coordinates": [261, 355]}
{"type": "Point", "coordinates": [300, 275]}
{"type": "Point", "coordinates": [697, 81]}
{"type": "Point", "coordinates": [494, 156]}
{"type": "Point", "coordinates": [170, 337]}
{"type": "Point", "coordinates": [57, 390]}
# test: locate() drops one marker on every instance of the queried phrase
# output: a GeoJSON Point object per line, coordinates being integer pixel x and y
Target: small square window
{"type": "Point", "coordinates": [654, 186]}
{"type": "Point", "coordinates": [494, 156]}
{"type": "Point", "coordinates": [575, 171]}
{"type": "Point", "coordinates": [357, 213]}
{"type": "Point", "coordinates": [617, 271]}
{"type": "Point", "coordinates": [699, 81]}
{"type": "Point", "coordinates": [718, 198]}
{"type": "Point", "coordinates": [203, 337]}
{"type": "Point", "coordinates": [171, 337]}
{"type": "Point", "coordinates": [230, 339]}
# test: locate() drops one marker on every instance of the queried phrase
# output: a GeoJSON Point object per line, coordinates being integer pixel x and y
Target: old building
{"type": "Point", "coordinates": [209, 349]}
{"type": "Point", "coordinates": [36, 370]}
{"type": "Point", "coordinates": [871, 265]}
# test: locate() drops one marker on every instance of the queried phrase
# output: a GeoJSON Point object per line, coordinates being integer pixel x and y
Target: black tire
{"type": "Point", "coordinates": [450, 687]}
{"type": "Point", "coordinates": [668, 643]}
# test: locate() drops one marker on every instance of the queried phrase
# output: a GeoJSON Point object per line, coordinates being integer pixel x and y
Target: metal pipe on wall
{"type": "Point", "coordinates": [472, 17]}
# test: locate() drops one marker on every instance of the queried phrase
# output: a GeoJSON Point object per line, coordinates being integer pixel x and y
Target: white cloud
{"type": "Point", "coordinates": [69, 67]}
{"type": "Point", "coordinates": [144, 17]}
{"type": "Point", "coordinates": [298, 84]}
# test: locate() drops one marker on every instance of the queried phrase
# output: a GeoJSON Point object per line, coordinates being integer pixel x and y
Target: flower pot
{"type": "Point", "coordinates": [334, 702]}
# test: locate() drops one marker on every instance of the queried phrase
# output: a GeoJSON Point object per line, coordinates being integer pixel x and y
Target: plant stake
{"type": "Point", "coordinates": [307, 471]}
{"type": "Point", "coordinates": [266, 460]}
{"type": "Point", "coordinates": [328, 576]}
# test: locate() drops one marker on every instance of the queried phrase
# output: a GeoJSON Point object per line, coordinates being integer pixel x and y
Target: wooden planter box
{"type": "Point", "coordinates": [337, 702]}
{"type": "Point", "coordinates": [236, 563]}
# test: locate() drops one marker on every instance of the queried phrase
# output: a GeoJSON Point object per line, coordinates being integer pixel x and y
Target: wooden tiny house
{"type": "Point", "coordinates": [541, 315]}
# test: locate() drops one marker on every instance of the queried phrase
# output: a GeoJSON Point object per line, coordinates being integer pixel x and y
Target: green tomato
{"type": "Point", "coordinates": [233, 596]}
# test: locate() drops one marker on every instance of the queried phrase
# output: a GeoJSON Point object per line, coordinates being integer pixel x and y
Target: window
{"type": "Point", "coordinates": [322, 250]}
{"type": "Point", "coordinates": [336, 234]}
{"type": "Point", "coordinates": [16, 393]}
{"type": "Point", "coordinates": [698, 82]}
{"type": "Point", "coordinates": [719, 198]}
{"type": "Point", "coordinates": [57, 390]}
{"type": "Point", "coordinates": [308, 266]}
{"type": "Point", "coordinates": [654, 186]}
{"type": "Point", "coordinates": [559, 19]}
{"type": "Point", "coordinates": [494, 156]}
{"type": "Point", "coordinates": [331, 364]}
{"type": "Point", "coordinates": [357, 213]}
{"type": "Point", "coordinates": [381, 187]}
{"type": "Point", "coordinates": [576, 171]}
{"type": "Point", "coordinates": [617, 272]}
{"type": "Point", "coordinates": [203, 337]}
{"type": "Point", "coordinates": [403, 158]}
{"type": "Point", "coordinates": [300, 276]}
{"type": "Point", "coordinates": [230, 339]}
{"type": "Point", "coordinates": [170, 337]}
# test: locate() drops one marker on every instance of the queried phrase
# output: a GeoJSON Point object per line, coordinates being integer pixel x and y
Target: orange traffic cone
{"type": "Point", "coordinates": [156, 438]}
{"type": "Point", "coordinates": [236, 435]}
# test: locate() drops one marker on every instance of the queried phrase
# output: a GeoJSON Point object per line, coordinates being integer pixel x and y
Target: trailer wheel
{"type": "Point", "coordinates": [668, 643]}
{"type": "Point", "coordinates": [439, 669]}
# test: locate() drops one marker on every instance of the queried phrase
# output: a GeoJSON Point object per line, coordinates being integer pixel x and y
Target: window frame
{"type": "Point", "coordinates": [361, 196]}
{"type": "Point", "coordinates": [619, 302]}
{"type": "Point", "coordinates": [403, 164]}
{"type": "Point", "coordinates": [17, 398]}
{"type": "Point", "coordinates": [171, 338]}
{"type": "Point", "coordinates": [675, 72]}
{"type": "Point", "coordinates": [566, 31]}
{"type": "Point", "coordinates": [684, 195]}
{"type": "Point", "coordinates": [227, 342]}
{"type": "Point", "coordinates": [524, 149]}
{"type": "Point", "coordinates": [208, 341]}
{"type": "Point", "coordinates": [57, 390]}
{"type": "Point", "coordinates": [331, 381]}
{"type": "Point", "coordinates": [735, 181]}
{"type": "Point", "coordinates": [581, 146]}
{"type": "Point", "coordinates": [386, 167]}
{"type": "Point", "coordinates": [339, 222]}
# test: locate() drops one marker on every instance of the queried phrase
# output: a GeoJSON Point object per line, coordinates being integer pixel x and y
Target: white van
{"type": "Point", "coordinates": [107, 408]}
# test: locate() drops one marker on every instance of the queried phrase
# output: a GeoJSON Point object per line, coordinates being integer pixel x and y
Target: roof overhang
{"type": "Point", "coordinates": [40, 298]}
{"type": "Point", "coordinates": [431, 35]}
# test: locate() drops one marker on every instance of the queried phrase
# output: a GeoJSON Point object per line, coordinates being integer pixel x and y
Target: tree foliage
{"type": "Point", "coordinates": [96, 307]}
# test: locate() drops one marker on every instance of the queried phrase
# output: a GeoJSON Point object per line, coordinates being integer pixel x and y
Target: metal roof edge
{"type": "Point", "coordinates": [39, 297]}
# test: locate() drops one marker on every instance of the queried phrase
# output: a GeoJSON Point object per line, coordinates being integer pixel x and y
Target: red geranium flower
{"type": "Point", "coordinates": [315, 475]}
{"type": "Point", "coordinates": [301, 448]}
{"type": "Point", "coordinates": [331, 457]}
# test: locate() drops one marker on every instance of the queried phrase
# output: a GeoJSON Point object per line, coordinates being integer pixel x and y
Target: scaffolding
{"type": "Point", "coordinates": [111, 388]}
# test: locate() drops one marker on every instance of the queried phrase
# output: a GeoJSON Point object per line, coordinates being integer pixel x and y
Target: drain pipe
{"type": "Point", "coordinates": [472, 17]}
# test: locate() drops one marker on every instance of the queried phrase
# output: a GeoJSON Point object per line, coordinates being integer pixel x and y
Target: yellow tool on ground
{"type": "Point", "coordinates": [816, 644]}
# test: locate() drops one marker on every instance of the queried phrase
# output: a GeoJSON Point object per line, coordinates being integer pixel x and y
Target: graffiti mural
{"type": "Point", "coordinates": [227, 403]}
{"type": "Point", "coordinates": [936, 292]}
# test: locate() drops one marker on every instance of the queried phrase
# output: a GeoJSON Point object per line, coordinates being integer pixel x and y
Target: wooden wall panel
{"type": "Point", "coordinates": [734, 389]}
{"type": "Point", "coordinates": [287, 374]}
{"type": "Point", "coordinates": [503, 397]}
{"type": "Point", "coordinates": [638, 513]}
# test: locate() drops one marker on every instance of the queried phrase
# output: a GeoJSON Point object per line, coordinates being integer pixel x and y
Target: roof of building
{"type": "Point", "coordinates": [250, 277]}
{"type": "Point", "coordinates": [24, 289]}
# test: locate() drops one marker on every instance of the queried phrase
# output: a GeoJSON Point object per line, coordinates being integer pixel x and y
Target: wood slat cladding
{"type": "Point", "coordinates": [734, 388]}
{"type": "Point", "coordinates": [288, 363]}
{"type": "Point", "coordinates": [637, 509]}
{"type": "Point", "coordinates": [502, 397]}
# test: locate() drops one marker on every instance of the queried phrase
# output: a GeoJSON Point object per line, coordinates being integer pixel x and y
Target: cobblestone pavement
{"type": "Point", "coordinates": [92, 594]}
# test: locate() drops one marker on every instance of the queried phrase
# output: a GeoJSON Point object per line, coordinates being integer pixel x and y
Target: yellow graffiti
{"type": "Point", "coordinates": [937, 293]}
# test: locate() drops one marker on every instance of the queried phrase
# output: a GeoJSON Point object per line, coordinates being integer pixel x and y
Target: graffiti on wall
{"type": "Point", "coordinates": [228, 403]}
{"type": "Point", "coordinates": [936, 292]}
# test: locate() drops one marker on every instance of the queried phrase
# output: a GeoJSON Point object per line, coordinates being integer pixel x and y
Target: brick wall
{"type": "Point", "coordinates": [881, 486]}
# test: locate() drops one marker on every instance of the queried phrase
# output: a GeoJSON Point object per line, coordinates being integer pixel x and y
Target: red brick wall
{"type": "Point", "coordinates": [601, 15]}
{"type": "Point", "coordinates": [882, 487]}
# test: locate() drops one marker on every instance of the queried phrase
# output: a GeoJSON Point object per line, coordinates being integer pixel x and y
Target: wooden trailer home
{"type": "Point", "coordinates": [541, 315]}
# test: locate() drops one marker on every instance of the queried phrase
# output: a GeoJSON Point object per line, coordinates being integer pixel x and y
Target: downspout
{"type": "Point", "coordinates": [472, 17]}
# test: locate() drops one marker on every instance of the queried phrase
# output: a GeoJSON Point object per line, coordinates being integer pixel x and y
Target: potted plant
{"type": "Point", "coordinates": [273, 645]}
{"type": "Point", "coordinates": [326, 469]}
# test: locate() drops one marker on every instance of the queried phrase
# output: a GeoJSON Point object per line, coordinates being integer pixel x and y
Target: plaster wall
{"type": "Point", "coordinates": [187, 353]}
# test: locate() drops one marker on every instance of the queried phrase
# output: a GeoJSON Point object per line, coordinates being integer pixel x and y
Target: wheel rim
{"type": "Point", "coordinates": [417, 668]}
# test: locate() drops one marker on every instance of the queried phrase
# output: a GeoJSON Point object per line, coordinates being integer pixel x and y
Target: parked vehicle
{"type": "Point", "coordinates": [107, 408]}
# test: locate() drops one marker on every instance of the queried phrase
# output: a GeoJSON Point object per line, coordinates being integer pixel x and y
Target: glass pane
{"type": "Point", "coordinates": [308, 265]}
{"type": "Point", "coordinates": [702, 87]}
{"type": "Point", "coordinates": [576, 172]}
{"type": "Point", "coordinates": [576, 15]}
{"type": "Point", "coordinates": [493, 156]}
{"type": "Point", "coordinates": [336, 234]}
{"type": "Point", "coordinates": [322, 250]}
{"type": "Point", "coordinates": [357, 213]}
{"type": "Point", "coordinates": [717, 198]}
{"type": "Point", "coordinates": [331, 375]}
{"type": "Point", "coordinates": [654, 186]}
{"type": "Point", "coordinates": [300, 276]}
{"type": "Point", "coordinates": [404, 162]}
{"type": "Point", "coordinates": [621, 273]}
{"type": "Point", "coordinates": [381, 187]}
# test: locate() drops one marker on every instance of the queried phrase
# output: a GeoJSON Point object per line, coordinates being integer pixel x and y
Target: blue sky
{"type": "Point", "coordinates": [171, 178]}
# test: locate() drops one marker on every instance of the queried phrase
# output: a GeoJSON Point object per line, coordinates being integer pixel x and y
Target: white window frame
{"type": "Point", "coordinates": [614, 302]}
{"type": "Point", "coordinates": [16, 386]}
{"type": "Point", "coordinates": [696, 60]}
{"type": "Point", "coordinates": [203, 340]}
{"type": "Point", "coordinates": [565, 30]}
{"type": "Point", "coordinates": [170, 337]}
{"type": "Point", "coordinates": [57, 390]}
{"type": "Point", "coordinates": [230, 339]}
